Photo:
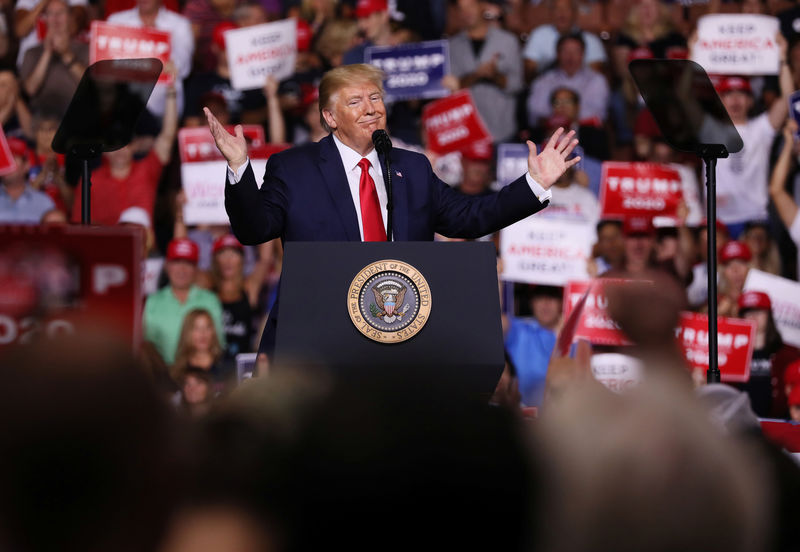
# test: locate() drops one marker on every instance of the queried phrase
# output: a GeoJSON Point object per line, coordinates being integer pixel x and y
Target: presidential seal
{"type": "Point", "coordinates": [389, 301]}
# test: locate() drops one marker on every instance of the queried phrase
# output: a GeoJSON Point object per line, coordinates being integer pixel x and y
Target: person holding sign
{"type": "Point", "coordinates": [334, 189]}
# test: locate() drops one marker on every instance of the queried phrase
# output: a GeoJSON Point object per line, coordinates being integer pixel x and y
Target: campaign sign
{"type": "Point", "coordinates": [735, 338]}
{"type": "Point", "coordinates": [639, 189]}
{"type": "Point", "coordinates": [413, 71]}
{"type": "Point", "coordinates": [119, 42]}
{"type": "Point", "coordinates": [453, 123]}
{"type": "Point", "coordinates": [195, 144]}
{"type": "Point", "coordinates": [784, 294]}
{"type": "Point", "coordinates": [588, 304]}
{"type": "Point", "coordinates": [737, 44]}
{"type": "Point", "coordinates": [546, 251]}
{"type": "Point", "coordinates": [617, 372]}
{"type": "Point", "coordinates": [53, 279]}
{"type": "Point", "coordinates": [259, 51]}
{"type": "Point", "coordinates": [512, 162]}
{"type": "Point", "coordinates": [794, 109]}
{"type": "Point", "coordinates": [7, 162]}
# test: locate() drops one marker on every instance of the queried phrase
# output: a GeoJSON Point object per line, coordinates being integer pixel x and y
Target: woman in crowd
{"type": "Point", "coordinates": [771, 357]}
{"type": "Point", "coordinates": [238, 293]}
{"type": "Point", "coordinates": [199, 349]}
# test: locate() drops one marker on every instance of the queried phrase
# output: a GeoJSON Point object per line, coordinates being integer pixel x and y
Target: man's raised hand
{"type": "Point", "coordinates": [233, 148]}
{"type": "Point", "coordinates": [547, 166]}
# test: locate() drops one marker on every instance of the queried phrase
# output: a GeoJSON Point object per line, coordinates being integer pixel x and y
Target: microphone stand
{"type": "Point", "coordinates": [387, 175]}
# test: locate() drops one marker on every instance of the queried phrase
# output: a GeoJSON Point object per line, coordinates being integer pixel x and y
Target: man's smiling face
{"type": "Point", "coordinates": [356, 111]}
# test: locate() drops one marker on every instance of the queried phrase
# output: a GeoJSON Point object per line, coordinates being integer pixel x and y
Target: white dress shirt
{"type": "Point", "coordinates": [350, 159]}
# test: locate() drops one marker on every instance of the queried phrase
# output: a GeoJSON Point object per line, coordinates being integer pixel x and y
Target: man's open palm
{"type": "Point", "coordinates": [233, 148]}
{"type": "Point", "coordinates": [547, 166]}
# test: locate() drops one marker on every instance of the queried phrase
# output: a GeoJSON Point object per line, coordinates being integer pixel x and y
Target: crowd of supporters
{"type": "Point", "coordinates": [530, 67]}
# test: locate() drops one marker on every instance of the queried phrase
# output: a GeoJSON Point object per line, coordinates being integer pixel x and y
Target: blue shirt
{"type": "Point", "coordinates": [530, 345]}
{"type": "Point", "coordinates": [26, 209]}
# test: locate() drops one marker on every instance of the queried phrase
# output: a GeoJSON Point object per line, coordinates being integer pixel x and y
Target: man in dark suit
{"type": "Point", "coordinates": [333, 190]}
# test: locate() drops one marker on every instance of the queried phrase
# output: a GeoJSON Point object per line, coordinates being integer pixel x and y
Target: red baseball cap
{"type": "Point", "coordinates": [365, 8]}
{"type": "Point", "coordinates": [734, 84]}
{"type": "Point", "coordinates": [183, 249]}
{"type": "Point", "coordinates": [478, 151]}
{"type": "Point", "coordinates": [218, 35]}
{"type": "Point", "coordinates": [304, 35]}
{"type": "Point", "coordinates": [228, 240]}
{"type": "Point", "coordinates": [18, 147]}
{"type": "Point", "coordinates": [792, 374]}
{"type": "Point", "coordinates": [754, 300]}
{"type": "Point", "coordinates": [735, 250]}
{"type": "Point", "coordinates": [634, 226]}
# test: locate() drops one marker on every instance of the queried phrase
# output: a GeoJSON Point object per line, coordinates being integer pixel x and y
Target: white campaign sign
{"type": "Point", "coordinates": [785, 297]}
{"type": "Point", "coordinates": [204, 186]}
{"type": "Point", "coordinates": [546, 251]}
{"type": "Point", "coordinates": [737, 44]}
{"type": "Point", "coordinates": [617, 372]}
{"type": "Point", "coordinates": [261, 50]}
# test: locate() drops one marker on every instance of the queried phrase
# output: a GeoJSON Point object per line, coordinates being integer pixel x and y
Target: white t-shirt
{"type": "Point", "coordinates": [31, 39]}
{"type": "Point", "coordinates": [574, 203]}
{"type": "Point", "coordinates": [742, 178]}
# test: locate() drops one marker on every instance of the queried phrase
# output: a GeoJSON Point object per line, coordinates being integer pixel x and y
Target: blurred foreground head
{"type": "Point", "coordinates": [645, 470]}
{"type": "Point", "coordinates": [81, 448]}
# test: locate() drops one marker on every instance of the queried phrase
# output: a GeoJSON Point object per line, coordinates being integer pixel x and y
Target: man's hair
{"type": "Point", "coordinates": [575, 96]}
{"type": "Point", "coordinates": [577, 37]}
{"type": "Point", "coordinates": [345, 75]}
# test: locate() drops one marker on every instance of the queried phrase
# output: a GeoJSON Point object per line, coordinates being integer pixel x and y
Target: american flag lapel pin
{"type": "Point", "coordinates": [398, 173]}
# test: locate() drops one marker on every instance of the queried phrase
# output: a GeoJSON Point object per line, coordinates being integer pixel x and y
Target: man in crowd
{"type": "Point", "coordinates": [150, 13]}
{"type": "Point", "coordinates": [569, 72]}
{"type": "Point", "coordinates": [19, 202]}
{"type": "Point", "coordinates": [122, 182]}
{"type": "Point", "coordinates": [486, 60]}
{"type": "Point", "coordinates": [374, 24]}
{"type": "Point", "coordinates": [164, 310]}
{"type": "Point", "coordinates": [51, 70]}
{"type": "Point", "coordinates": [540, 50]}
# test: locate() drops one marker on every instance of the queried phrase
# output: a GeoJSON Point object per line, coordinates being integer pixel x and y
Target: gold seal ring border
{"type": "Point", "coordinates": [354, 300]}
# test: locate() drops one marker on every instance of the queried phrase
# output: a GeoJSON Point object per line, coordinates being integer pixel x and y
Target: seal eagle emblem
{"type": "Point", "coordinates": [389, 301]}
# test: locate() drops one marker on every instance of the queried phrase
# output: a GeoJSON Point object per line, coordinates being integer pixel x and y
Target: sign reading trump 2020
{"type": "Point", "coordinates": [55, 279]}
{"type": "Point", "coordinates": [737, 44]}
{"type": "Point", "coordinates": [413, 71]}
{"type": "Point", "coordinates": [734, 344]}
{"type": "Point", "coordinates": [639, 189]}
{"type": "Point", "coordinates": [120, 42]}
{"type": "Point", "coordinates": [259, 51]}
{"type": "Point", "coordinates": [453, 123]}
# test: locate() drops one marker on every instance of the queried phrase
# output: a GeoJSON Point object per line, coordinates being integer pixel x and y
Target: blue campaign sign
{"type": "Point", "coordinates": [794, 108]}
{"type": "Point", "coordinates": [413, 71]}
{"type": "Point", "coordinates": [512, 162]}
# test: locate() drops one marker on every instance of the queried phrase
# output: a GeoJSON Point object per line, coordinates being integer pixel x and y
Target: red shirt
{"type": "Point", "coordinates": [111, 196]}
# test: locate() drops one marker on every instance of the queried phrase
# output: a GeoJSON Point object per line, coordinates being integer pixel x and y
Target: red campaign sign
{"type": "Point", "coordinates": [453, 123]}
{"type": "Point", "coordinates": [784, 434]}
{"type": "Point", "coordinates": [119, 42]}
{"type": "Point", "coordinates": [56, 278]}
{"type": "Point", "coordinates": [196, 144]}
{"type": "Point", "coordinates": [585, 310]}
{"type": "Point", "coordinates": [7, 162]}
{"type": "Point", "coordinates": [734, 344]}
{"type": "Point", "coordinates": [639, 189]}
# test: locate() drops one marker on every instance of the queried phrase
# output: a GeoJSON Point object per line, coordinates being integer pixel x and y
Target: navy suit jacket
{"type": "Point", "coordinates": [305, 197]}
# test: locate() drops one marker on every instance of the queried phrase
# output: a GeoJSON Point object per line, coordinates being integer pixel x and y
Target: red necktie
{"type": "Point", "coordinates": [370, 206]}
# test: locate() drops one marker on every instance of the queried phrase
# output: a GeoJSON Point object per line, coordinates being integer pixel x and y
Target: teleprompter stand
{"type": "Point", "coordinates": [692, 119]}
{"type": "Point", "coordinates": [103, 113]}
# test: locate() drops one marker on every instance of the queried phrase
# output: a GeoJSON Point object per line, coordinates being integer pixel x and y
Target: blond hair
{"type": "Point", "coordinates": [346, 75]}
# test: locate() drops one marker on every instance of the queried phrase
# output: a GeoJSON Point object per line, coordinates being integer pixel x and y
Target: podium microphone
{"type": "Point", "coordinates": [383, 145]}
